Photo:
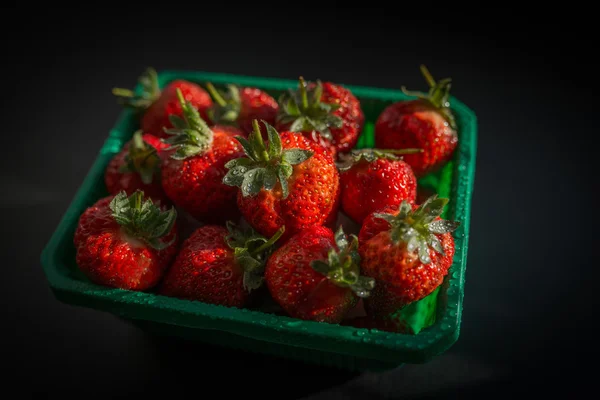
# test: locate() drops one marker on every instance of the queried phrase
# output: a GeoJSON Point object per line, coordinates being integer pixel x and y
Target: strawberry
{"type": "Point", "coordinates": [192, 172]}
{"type": "Point", "coordinates": [408, 250]}
{"type": "Point", "coordinates": [326, 113]}
{"type": "Point", "coordinates": [294, 183]}
{"type": "Point", "coordinates": [137, 167]}
{"type": "Point", "coordinates": [315, 275]}
{"type": "Point", "coordinates": [372, 179]}
{"type": "Point", "coordinates": [154, 105]}
{"type": "Point", "coordinates": [426, 123]}
{"type": "Point", "coordinates": [126, 242]}
{"type": "Point", "coordinates": [240, 105]}
{"type": "Point", "coordinates": [219, 265]}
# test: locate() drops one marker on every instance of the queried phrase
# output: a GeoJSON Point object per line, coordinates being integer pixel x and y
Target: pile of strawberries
{"type": "Point", "coordinates": [229, 196]}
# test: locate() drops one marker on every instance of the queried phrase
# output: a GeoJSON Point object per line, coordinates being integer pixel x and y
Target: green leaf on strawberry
{"type": "Point", "coordinates": [227, 105]}
{"type": "Point", "coordinates": [251, 251]}
{"type": "Point", "coordinates": [343, 266]}
{"type": "Point", "coordinates": [370, 155]}
{"type": "Point", "coordinates": [141, 158]}
{"type": "Point", "coordinates": [141, 219]}
{"type": "Point", "coordinates": [263, 167]}
{"type": "Point", "coordinates": [150, 92]}
{"type": "Point", "coordinates": [305, 112]}
{"type": "Point", "coordinates": [418, 228]}
{"type": "Point", "coordinates": [190, 135]}
{"type": "Point", "coordinates": [438, 95]}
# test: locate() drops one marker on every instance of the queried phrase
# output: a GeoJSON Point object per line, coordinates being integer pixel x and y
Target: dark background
{"type": "Point", "coordinates": [529, 78]}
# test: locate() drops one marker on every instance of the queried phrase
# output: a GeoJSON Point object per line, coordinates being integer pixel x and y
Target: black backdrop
{"type": "Point", "coordinates": [529, 78]}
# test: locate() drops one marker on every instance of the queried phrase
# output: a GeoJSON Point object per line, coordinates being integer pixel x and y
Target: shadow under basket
{"type": "Point", "coordinates": [259, 331]}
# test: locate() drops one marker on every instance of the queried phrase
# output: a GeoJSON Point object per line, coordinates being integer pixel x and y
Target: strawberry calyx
{"type": "Point", "coordinates": [141, 219]}
{"type": "Point", "coordinates": [150, 92]}
{"type": "Point", "coordinates": [191, 135]}
{"type": "Point", "coordinates": [305, 111]}
{"type": "Point", "coordinates": [227, 105]}
{"type": "Point", "coordinates": [437, 96]}
{"type": "Point", "coordinates": [141, 158]}
{"type": "Point", "coordinates": [342, 266]}
{"type": "Point", "coordinates": [418, 228]}
{"type": "Point", "coordinates": [369, 155]}
{"type": "Point", "coordinates": [263, 167]}
{"type": "Point", "coordinates": [251, 251]}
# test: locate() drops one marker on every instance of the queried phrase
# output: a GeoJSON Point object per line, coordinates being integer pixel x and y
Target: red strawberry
{"type": "Point", "coordinates": [326, 113]}
{"type": "Point", "coordinates": [426, 123]}
{"type": "Point", "coordinates": [240, 105]}
{"type": "Point", "coordinates": [137, 167]}
{"type": "Point", "coordinates": [155, 105]}
{"type": "Point", "coordinates": [192, 175]}
{"type": "Point", "coordinates": [373, 179]}
{"type": "Point", "coordinates": [125, 242]}
{"type": "Point", "coordinates": [294, 183]}
{"type": "Point", "coordinates": [408, 251]}
{"type": "Point", "coordinates": [316, 275]}
{"type": "Point", "coordinates": [219, 265]}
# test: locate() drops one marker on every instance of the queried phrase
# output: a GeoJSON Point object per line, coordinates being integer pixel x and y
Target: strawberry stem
{"type": "Point", "coordinates": [181, 99]}
{"type": "Point", "coordinates": [264, 155]}
{"type": "Point", "coordinates": [427, 75]}
{"type": "Point", "coordinates": [138, 142]}
{"type": "Point", "coordinates": [403, 151]}
{"type": "Point", "coordinates": [138, 199]}
{"type": "Point", "coordinates": [270, 242]}
{"type": "Point", "coordinates": [121, 92]}
{"type": "Point", "coordinates": [303, 94]}
{"type": "Point", "coordinates": [215, 94]}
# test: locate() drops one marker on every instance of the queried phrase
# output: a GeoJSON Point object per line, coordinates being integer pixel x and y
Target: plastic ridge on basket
{"type": "Point", "coordinates": [328, 344]}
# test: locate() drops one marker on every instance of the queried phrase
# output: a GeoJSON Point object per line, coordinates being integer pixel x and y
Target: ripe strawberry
{"type": "Point", "coordinates": [426, 123]}
{"type": "Point", "coordinates": [154, 105]}
{"type": "Point", "coordinates": [192, 175]}
{"type": "Point", "coordinates": [326, 113]}
{"type": "Point", "coordinates": [372, 179]}
{"type": "Point", "coordinates": [316, 275]}
{"type": "Point", "coordinates": [294, 183]}
{"type": "Point", "coordinates": [408, 251]}
{"type": "Point", "coordinates": [137, 167]}
{"type": "Point", "coordinates": [219, 265]}
{"type": "Point", "coordinates": [125, 242]}
{"type": "Point", "coordinates": [240, 105]}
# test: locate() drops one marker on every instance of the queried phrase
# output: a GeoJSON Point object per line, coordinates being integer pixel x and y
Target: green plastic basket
{"type": "Point", "coordinates": [326, 344]}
